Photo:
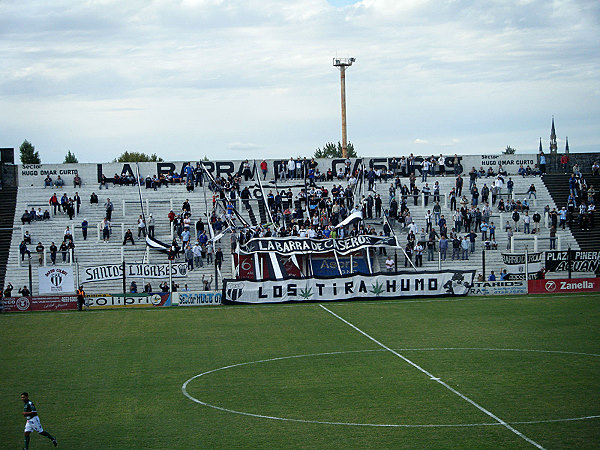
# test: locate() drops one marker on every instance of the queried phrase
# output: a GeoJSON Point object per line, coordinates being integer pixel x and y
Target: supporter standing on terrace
{"type": "Point", "coordinates": [418, 250]}
{"type": "Point", "coordinates": [54, 202]}
{"type": "Point", "coordinates": [108, 206]}
{"type": "Point", "coordinates": [64, 249]}
{"type": "Point", "coordinates": [542, 163]}
{"type": "Point", "coordinates": [141, 227]}
{"type": "Point", "coordinates": [40, 251]}
{"type": "Point", "coordinates": [464, 245]}
{"type": "Point", "coordinates": [77, 201]}
{"type": "Point", "coordinates": [218, 258]}
{"type": "Point", "coordinates": [151, 225]}
{"type": "Point", "coordinates": [564, 162]}
{"type": "Point", "coordinates": [264, 168]}
{"type": "Point", "coordinates": [24, 251]}
{"type": "Point", "coordinates": [105, 227]}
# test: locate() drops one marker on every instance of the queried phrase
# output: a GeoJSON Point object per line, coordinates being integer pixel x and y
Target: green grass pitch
{"type": "Point", "coordinates": [294, 376]}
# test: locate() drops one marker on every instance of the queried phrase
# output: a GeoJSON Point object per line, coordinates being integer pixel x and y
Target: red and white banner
{"type": "Point", "coordinates": [564, 285]}
{"type": "Point", "coordinates": [39, 303]}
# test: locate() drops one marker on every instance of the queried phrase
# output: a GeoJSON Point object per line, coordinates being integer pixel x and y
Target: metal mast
{"type": "Point", "coordinates": [342, 64]}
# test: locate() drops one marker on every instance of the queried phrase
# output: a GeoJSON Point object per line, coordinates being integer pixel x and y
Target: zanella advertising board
{"type": "Point", "coordinates": [564, 286]}
{"type": "Point", "coordinates": [352, 287]}
{"type": "Point", "coordinates": [39, 303]}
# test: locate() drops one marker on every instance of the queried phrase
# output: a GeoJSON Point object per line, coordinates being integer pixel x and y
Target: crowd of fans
{"type": "Point", "coordinates": [316, 212]}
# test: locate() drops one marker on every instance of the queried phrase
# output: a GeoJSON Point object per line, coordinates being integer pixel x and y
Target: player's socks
{"type": "Point", "coordinates": [26, 440]}
{"type": "Point", "coordinates": [48, 435]}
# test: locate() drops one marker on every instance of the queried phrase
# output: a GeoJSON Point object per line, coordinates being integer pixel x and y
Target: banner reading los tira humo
{"type": "Point", "coordinates": [352, 287]}
{"type": "Point", "coordinates": [515, 264]}
{"type": "Point", "coordinates": [115, 271]}
{"type": "Point", "coordinates": [56, 280]}
{"type": "Point", "coordinates": [291, 246]}
{"type": "Point", "coordinates": [581, 261]}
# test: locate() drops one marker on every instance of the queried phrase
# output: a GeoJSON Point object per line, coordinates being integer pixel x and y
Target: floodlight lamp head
{"type": "Point", "coordinates": [343, 62]}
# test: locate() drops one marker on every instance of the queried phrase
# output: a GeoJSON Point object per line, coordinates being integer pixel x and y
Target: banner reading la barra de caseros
{"type": "Point", "coordinates": [115, 271]}
{"type": "Point", "coordinates": [56, 280]}
{"type": "Point", "coordinates": [291, 245]}
{"type": "Point", "coordinates": [581, 261]}
{"type": "Point", "coordinates": [353, 287]}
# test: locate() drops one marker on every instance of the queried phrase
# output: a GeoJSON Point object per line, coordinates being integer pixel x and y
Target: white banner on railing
{"type": "Point", "coordinates": [115, 271]}
{"type": "Point", "coordinates": [517, 287]}
{"type": "Point", "coordinates": [357, 286]}
{"type": "Point", "coordinates": [56, 280]}
{"type": "Point", "coordinates": [196, 298]}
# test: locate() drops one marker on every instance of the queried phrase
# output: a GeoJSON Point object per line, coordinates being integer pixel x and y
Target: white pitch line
{"type": "Point", "coordinates": [437, 380]}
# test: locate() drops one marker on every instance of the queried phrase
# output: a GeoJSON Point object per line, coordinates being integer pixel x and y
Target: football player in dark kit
{"type": "Point", "coordinates": [33, 421]}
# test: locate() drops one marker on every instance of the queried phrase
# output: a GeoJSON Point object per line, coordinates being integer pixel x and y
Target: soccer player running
{"type": "Point", "coordinates": [33, 421]}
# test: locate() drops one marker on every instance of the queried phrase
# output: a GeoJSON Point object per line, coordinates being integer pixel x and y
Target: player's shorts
{"type": "Point", "coordinates": [34, 424]}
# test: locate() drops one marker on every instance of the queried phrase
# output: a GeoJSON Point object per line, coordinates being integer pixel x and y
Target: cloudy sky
{"type": "Point", "coordinates": [234, 79]}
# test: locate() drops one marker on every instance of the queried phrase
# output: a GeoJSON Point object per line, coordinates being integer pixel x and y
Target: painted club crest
{"type": "Point", "coordinates": [234, 291]}
{"type": "Point", "coordinates": [23, 303]}
{"type": "Point", "coordinates": [56, 279]}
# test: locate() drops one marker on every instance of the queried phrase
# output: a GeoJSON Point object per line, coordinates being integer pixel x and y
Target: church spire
{"type": "Point", "coordinates": [567, 145]}
{"type": "Point", "coordinates": [540, 150]}
{"type": "Point", "coordinates": [553, 144]}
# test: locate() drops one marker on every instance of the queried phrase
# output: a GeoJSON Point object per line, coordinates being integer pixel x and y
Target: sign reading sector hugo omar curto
{"type": "Point", "coordinates": [199, 298]}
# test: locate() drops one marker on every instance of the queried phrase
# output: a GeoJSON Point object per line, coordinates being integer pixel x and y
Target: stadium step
{"type": "Point", "coordinates": [558, 187]}
{"type": "Point", "coordinates": [8, 203]}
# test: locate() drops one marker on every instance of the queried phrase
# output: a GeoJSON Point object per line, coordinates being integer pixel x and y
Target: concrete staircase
{"type": "Point", "coordinates": [93, 251]}
{"type": "Point", "coordinates": [558, 187]}
{"type": "Point", "coordinates": [8, 201]}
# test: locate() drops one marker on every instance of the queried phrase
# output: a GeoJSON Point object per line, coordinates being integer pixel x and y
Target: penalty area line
{"type": "Point", "coordinates": [437, 380]}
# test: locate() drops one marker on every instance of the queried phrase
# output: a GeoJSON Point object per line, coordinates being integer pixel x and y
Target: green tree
{"type": "Point", "coordinates": [509, 150]}
{"type": "Point", "coordinates": [330, 150]}
{"type": "Point", "coordinates": [70, 158]}
{"type": "Point", "coordinates": [137, 157]}
{"type": "Point", "coordinates": [28, 153]}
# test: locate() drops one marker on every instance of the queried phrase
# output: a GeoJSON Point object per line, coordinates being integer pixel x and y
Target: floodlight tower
{"type": "Point", "coordinates": [342, 64]}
